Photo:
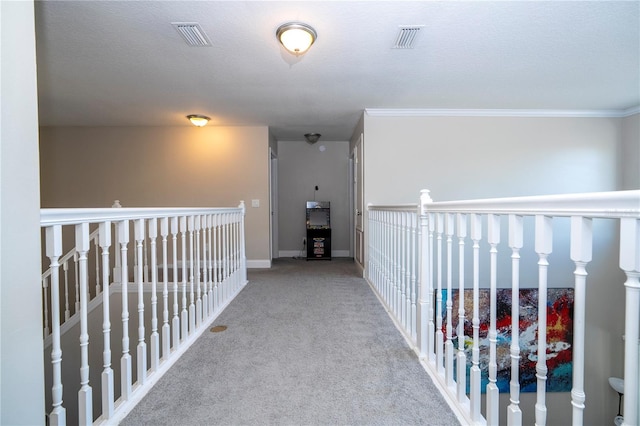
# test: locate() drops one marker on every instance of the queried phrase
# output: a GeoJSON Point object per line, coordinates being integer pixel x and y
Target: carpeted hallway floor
{"type": "Point", "coordinates": [307, 343]}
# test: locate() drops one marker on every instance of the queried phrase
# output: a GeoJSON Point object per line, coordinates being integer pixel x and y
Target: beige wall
{"type": "Point", "coordinates": [484, 157]}
{"type": "Point", "coordinates": [300, 168]}
{"type": "Point", "coordinates": [161, 166]}
{"type": "Point", "coordinates": [22, 366]}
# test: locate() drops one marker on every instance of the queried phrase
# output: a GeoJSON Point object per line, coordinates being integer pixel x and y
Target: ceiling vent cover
{"type": "Point", "coordinates": [407, 36]}
{"type": "Point", "coordinates": [192, 33]}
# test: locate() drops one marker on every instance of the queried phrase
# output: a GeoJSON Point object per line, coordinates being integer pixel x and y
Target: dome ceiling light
{"type": "Point", "coordinates": [296, 37]}
{"type": "Point", "coordinates": [312, 137]}
{"type": "Point", "coordinates": [198, 120]}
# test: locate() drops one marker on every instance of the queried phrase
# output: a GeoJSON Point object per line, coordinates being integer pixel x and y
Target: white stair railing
{"type": "Point", "coordinates": [92, 396]}
{"type": "Point", "coordinates": [436, 224]}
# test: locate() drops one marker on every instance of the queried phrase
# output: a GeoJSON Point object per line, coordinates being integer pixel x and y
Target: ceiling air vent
{"type": "Point", "coordinates": [407, 36]}
{"type": "Point", "coordinates": [192, 33]}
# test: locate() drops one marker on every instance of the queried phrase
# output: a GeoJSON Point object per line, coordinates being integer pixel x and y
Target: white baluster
{"type": "Point", "coordinates": [392, 261]}
{"type": "Point", "coordinates": [630, 264]}
{"type": "Point", "coordinates": [431, 286]}
{"type": "Point", "coordinates": [449, 340]}
{"type": "Point", "coordinates": [75, 268]}
{"type": "Point", "coordinates": [236, 242]}
{"type": "Point", "coordinates": [388, 285]}
{"type": "Point", "coordinates": [205, 281]}
{"type": "Point", "coordinates": [125, 360]}
{"type": "Point", "coordinates": [398, 272]}
{"type": "Point", "coordinates": [439, 335]}
{"type": "Point", "coordinates": [154, 339]}
{"type": "Point", "coordinates": [192, 306]}
{"type": "Point", "coordinates": [45, 298]}
{"type": "Point", "coordinates": [371, 271]}
{"type": "Point", "coordinates": [210, 264]}
{"type": "Point", "coordinates": [98, 287]}
{"type": "Point", "coordinates": [184, 315]}
{"type": "Point", "coordinates": [493, 237]}
{"type": "Point", "coordinates": [514, 414]}
{"type": "Point", "coordinates": [67, 311]}
{"type": "Point", "coordinates": [403, 269]}
{"type": "Point", "coordinates": [175, 322]}
{"type": "Point", "coordinates": [407, 275]}
{"type": "Point", "coordinates": [85, 401]}
{"type": "Point", "coordinates": [139, 277]}
{"type": "Point", "coordinates": [58, 414]}
{"type": "Point", "coordinates": [216, 265]}
{"type": "Point", "coordinates": [197, 224]}
{"type": "Point", "coordinates": [475, 374]}
{"type": "Point", "coordinates": [581, 252]}
{"type": "Point", "coordinates": [145, 261]}
{"type": "Point", "coordinates": [104, 242]}
{"type": "Point", "coordinates": [414, 273]}
{"type": "Point", "coordinates": [376, 260]}
{"type": "Point", "coordinates": [166, 330]}
{"type": "Point", "coordinates": [225, 257]}
{"type": "Point", "coordinates": [386, 253]}
{"type": "Point", "coordinates": [117, 268]}
{"type": "Point", "coordinates": [543, 246]}
{"type": "Point", "coordinates": [461, 359]}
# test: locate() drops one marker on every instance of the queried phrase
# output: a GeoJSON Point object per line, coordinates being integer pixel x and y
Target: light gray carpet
{"type": "Point", "coordinates": [307, 343]}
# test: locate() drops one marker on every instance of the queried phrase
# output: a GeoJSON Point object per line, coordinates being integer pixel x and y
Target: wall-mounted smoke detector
{"type": "Point", "coordinates": [407, 35]}
{"type": "Point", "coordinates": [192, 33]}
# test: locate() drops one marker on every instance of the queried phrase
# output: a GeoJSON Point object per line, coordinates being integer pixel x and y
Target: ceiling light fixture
{"type": "Point", "coordinates": [198, 120]}
{"type": "Point", "coordinates": [312, 137]}
{"type": "Point", "coordinates": [296, 37]}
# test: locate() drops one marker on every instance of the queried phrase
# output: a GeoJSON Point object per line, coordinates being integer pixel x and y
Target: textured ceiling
{"type": "Point", "coordinates": [121, 63]}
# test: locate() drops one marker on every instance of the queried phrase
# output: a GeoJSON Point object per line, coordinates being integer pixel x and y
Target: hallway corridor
{"type": "Point", "coordinates": [307, 343]}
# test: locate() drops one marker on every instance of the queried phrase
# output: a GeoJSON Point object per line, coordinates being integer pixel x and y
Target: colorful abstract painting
{"type": "Point", "coordinates": [559, 336]}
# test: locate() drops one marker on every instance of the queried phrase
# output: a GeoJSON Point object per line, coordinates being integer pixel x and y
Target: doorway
{"type": "Point", "coordinates": [273, 203]}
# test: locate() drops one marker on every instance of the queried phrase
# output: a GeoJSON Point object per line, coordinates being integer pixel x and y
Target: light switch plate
{"type": "Point", "coordinates": [255, 203]}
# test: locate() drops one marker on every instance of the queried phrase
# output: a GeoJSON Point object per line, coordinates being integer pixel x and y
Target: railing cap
{"type": "Point", "coordinates": [72, 216]}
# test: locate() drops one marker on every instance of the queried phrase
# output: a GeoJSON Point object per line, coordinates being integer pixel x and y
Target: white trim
{"type": "Point", "coordinates": [417, 112]}
{"type": "Point", "coordinates": [340, 253]}
{"type": "Point", "coordinates": [631, 111]}
{"type": "Point", "coordinates": [72, 216]}
{"type": "Point", "coordinates": [258, 264]}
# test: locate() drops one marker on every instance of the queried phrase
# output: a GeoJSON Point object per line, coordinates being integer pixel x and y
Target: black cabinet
{"type": "Point", "coordinates": [319, 243]}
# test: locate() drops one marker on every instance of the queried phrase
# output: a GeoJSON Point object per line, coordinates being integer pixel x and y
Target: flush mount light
{"type": "Point", "coordinates": [198, 120]}
{"type": "Point", "coordinates": [312, 137]}
{"type": "Point", "coordinates": [296, 37]}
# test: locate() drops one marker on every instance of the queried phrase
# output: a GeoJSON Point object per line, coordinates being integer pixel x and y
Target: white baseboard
{"type": "Point", "coordinates": [303, 253]}
{"type": "Point", "coordinates": [258, 264]}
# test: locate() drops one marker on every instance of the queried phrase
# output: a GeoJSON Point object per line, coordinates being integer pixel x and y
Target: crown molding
{"type": "Point", "coordinates": [388, 112]}
{"type": "Point", "coordinates": [631, 111]}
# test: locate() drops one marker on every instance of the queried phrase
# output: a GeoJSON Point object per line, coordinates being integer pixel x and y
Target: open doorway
{"type": "Point", "coordinates": [273, 203]}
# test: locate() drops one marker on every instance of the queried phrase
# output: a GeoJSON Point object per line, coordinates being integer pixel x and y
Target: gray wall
{"type": "Point", "coordinates": [300, 168]}
{"type": "Point", "coordinates": [21, 369]}
{"type": "Point", "coordinates": [485, 157]}
{"type": "Point", "coordinates": [630, 153]}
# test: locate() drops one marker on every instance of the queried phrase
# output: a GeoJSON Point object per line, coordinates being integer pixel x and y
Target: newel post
{"type": "Point", "coordinates": [630, 264]}
{"type": "Point", "coordinates": [243, 254]}
{"type": "Point", "coordinates": [424, 300]}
